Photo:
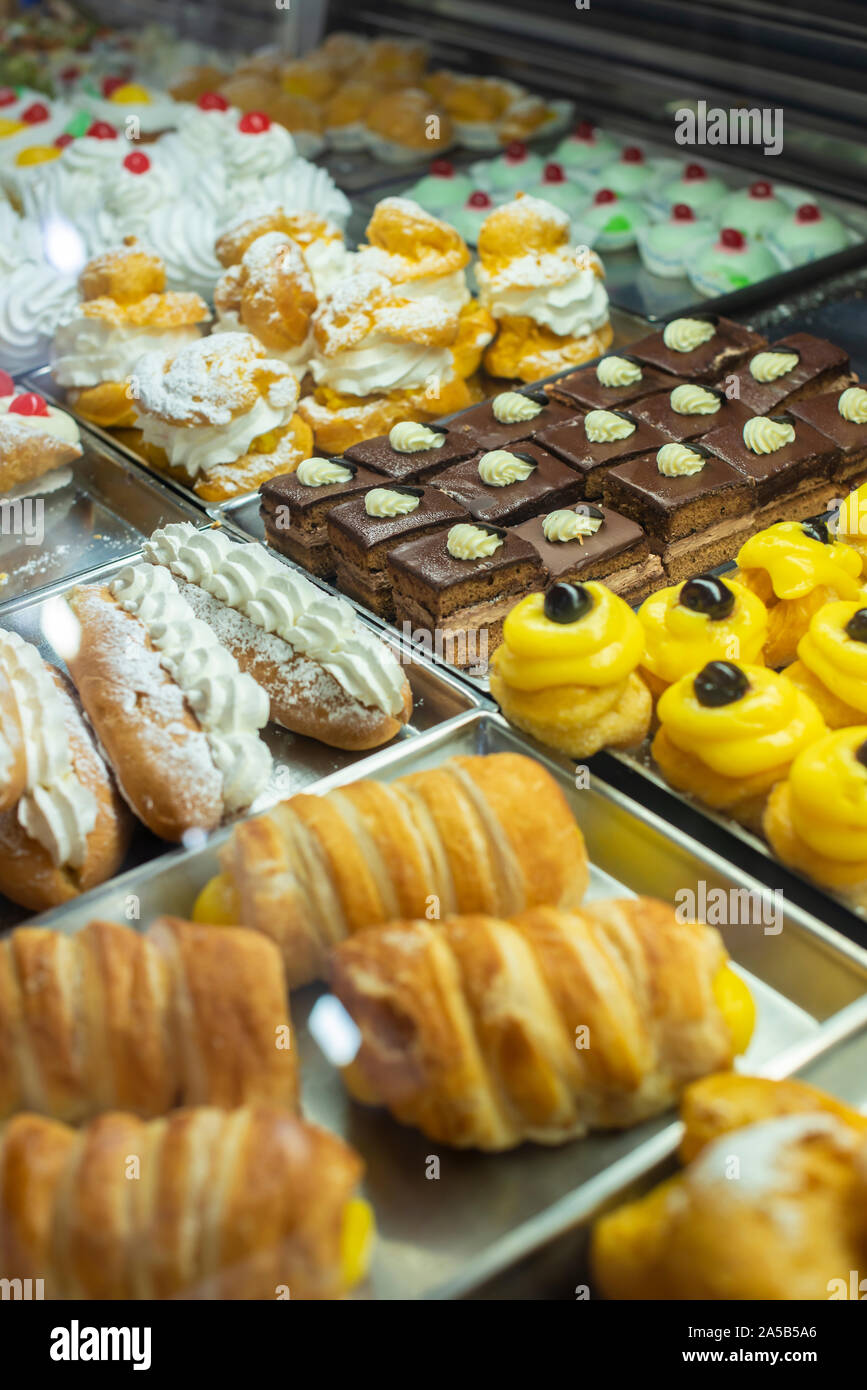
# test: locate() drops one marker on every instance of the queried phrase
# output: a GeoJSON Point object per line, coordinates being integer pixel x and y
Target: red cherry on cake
{"type": "Point", "coordinates": [254, 122]}
{"type": "Point", "coordinates": [63, 140]}
{"type": "Point", "coordinates": [70, 74]}
{"type": "Point", "coordinates": [732, 239]}
{"type": "Point", "coordinates": [516, 151]}
{"type": "Point", "coordinates": [7, 385]}
{"type": "Point", "coordinates": [212, 101]}
{"type": "Point", "coordinates": [554, 174]}
{"type": "Point", "coordinates": [605, 195]}
{"type": "Point", "coordinates": [111, 84]}
{"type": "Point", "coordinates": [28, 404]}
{"type": "Point", "coordinates": [808, 212]}
{"type": "Point", "coordinates": [761, 189]}
{"type": "Point", "coordinates": [633, 155]}
{"type": "Point", "coordinates": [478, 200]}
{"type": "Point", "coordinates": [694, 171]}
{"type": "Point", "coordinates": [8, 95]}
{"type": "Point", "coordinates": [682, 212]}
{"type": "Point", "coordinates": [101, 130]}
{"type": "Point", "coordinates": [137, 163]}
{"type": "Point", "coordinates": [442, 169]}
{"type": "Point", "coordinates": [584, 130]}
{"type": "Point", "coordinates": [35, 114]}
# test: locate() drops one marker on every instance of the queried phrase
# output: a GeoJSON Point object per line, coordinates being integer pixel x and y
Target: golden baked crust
{"type": "Point", "coordinates": [403, 117]}
{"type": "Point", "coordinates": [470, 1028]}
{"type": "Point", "coordinates": [744, 798]}
{"type": "Point", "coordinates": [229, 1205]}
{"type": "Point", "coordinates": [579, 720]}
{"type": "Point", "coordinates": [14, 778]}
{"type": "Point", "coordinates": [170, 309]}
{"type": "Point", "coordinates": [26, 455]}
{"type": "Point", "coordinates": [287, 447]}
{"type": "Point", "coordinates": [211, 380]}
{"type": "Point", "coordinates": [526, 350]}
{"type": "Point", "coordinates": [110, 404]}
{"type": "Point", "coordinates": [340, 420]}
{"type": "Point", "coordinates": [126, 274]}
{"type": "Point", "coordinates": [28, 874]}
{"type": "Point", "coordinates": [717, 1105]}
{"type": "Point", "coordinates": [414, 244]}
{"type": "Point", "coordinates": [303, 227]}
{"type": "Point", "coordinates": [271, 291]}
{"type": "Point", "coordinates": [110, 1018]}
{"type": "Point", "coordinates": [840, 875]}
{"type": "Point", "coordinates": [490, 835]}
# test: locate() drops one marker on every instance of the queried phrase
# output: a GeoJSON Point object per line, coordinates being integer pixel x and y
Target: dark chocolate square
{"type": "Point", "coordinates": [819, 361]}
{"type": "Point", "coordinates": [673, 507]}
{"type": "Point", "coordinates": [658, 411]}
{"type": "Point", "coordinates": [481, 426]}
{"type": "Point", "coordinates": [618, 542]}
{"type": "Point", "coordinates": [378, 455]}
{"type": "Point", "coordinates": [586, 390]}
{"type": "Point", "coordinates": [364, 539]}
{"type": "Point", "coordinates": [731, 344]}
{"type": "Point", "coordinates": [851, 439]}
{"type": "Point", "coordinates": [810, 455]}
{"type": "Point", "coordinates": [570, 443]}
{"type": "Point", "coordinates": [550, 485]}
{"type": "Point", "coordinates": [425, 571]}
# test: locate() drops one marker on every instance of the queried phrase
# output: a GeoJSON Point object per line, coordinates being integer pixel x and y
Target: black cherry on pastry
{"type": "Point", "coordinates": [709, 595]}
{"type": "Point", "coordinates": [720, 683]}
{"type": "Point", "coordinates": [856, 628]}
{"type": "Point", "coordinates": [861, 754]}
{"type": "Point", "coordinates": [566, 603]}
{"type": "Point", "coordinates": [817, 531]}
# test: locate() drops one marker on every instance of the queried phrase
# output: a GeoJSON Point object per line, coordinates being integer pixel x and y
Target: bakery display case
{"type": "Point", "coordinates": [433, 616]}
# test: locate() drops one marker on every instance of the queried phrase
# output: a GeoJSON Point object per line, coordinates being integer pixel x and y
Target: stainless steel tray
{"type": "Point", "coordinates": [438, 697]}
{"type": "Point", "coordinates": [486, 1213]}
{"type": "Point", "coordinates": [102, 515]}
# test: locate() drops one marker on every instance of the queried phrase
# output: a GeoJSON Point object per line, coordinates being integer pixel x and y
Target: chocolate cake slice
{"type": "Point", "coordinates": [294, 508]}
{"type": "Point", "coordinates": [791, 370]}
{"type": "Point", "coordinates": [696, 509]}
{"type": "Point", "coordinates": [842, 417]}
{"type": "Point", "coordinates": [591, 542]}
{"type": "Point", "coordinates": [511, 416]}
{"type": "Point", "coordinates": [788, 463]}
{"type": "Point", "coordinates": [506, 486]}
{"type": "Point", "coordinates": [457, 587]}
{"type": "Point", "coordinates": [579, 446]}
{"type": "Point", "coordinates": [613, 382]}
{"type": "Point", "coordinates": [411, 464]}
{"type": "Point", "coordinates": [699, 347]}
{"type": "Point", "coordinates": [690, 410]}
{"type": "Point", "coordinates": [362, 532]}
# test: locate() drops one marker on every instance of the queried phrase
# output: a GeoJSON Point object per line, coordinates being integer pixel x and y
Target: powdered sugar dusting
{"type": "Point", "coordinates": [209, 381]}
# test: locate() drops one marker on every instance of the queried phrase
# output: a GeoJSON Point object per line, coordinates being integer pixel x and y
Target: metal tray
{"type": "Point", "coordinates": [102, 515]}
{"type": "Point", "coordinates": [438, 697]}
{"type": "Point", "coordinates": [486, 1213]}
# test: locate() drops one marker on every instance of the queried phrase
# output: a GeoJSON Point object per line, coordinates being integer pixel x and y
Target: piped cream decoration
{"type": "Point", "coordinates": [564, 525]}
{"type": "Point", "coordinates": [770, 366]}
{"type": "Point", "coordinates": [694, 400]}
{"type": "Point", "coordinates": [617, 371]}
{"type": "Point", "coordinates": [685, 335]}
{"type": "Point", "coordinates": [679, 461]}
{"type": "Point", "coordinates": [765, 436]}
{"type": "Point", "coordinates": [407, 437]}
{"type": "Point", "coordinates": [318, 472]}
{"type": "Point", "coordinates": [603, 426]}
{"type": "Point", "coordinates": [499, 468]}
{"type": "Point", "coordinates": [384, 501]}
{"type": "Point", "coordinates": [511, 407]}
{"type": "Point", "coordinates": [852, 405]}
{"type": "Point", "coordinates": [468, 542]}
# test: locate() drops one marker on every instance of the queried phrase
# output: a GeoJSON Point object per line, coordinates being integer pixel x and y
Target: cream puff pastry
{"type": "Point", "coordinates": [219, 415]}
{"type": "Point", "coordinates": [125, 312]}
{"type": "Point", "coordinates": [270, 294]}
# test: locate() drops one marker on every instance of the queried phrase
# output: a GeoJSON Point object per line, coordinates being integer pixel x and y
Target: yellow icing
{"type": "Point", "coordinates": [678, 640]}
{"type": "Point", "coordinates": [602, 647]}
{"type": "Point", "coordinates": [828, 789]}
{"type": "Point", "coordinates": [765, 729]}
{"type": "Point", "coordinates": [797, 563]}
{"type": "Point", "coordinates": [830, 653]}
{"type": "Point", "coordinates": [737, 1006]}
{"type": "Point", "coordinates": [129, 94]}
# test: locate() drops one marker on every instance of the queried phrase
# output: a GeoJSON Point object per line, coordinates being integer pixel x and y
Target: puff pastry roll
{"type": "Point", "coordinates": [772, 1205]}
{"type": "Point", "coordinates": [241, 1204]}
{"type": "Point", "coordinates": [484, 1033]}
{"type": "Point", "coordinates": [108, 1018]}
{"type": "Point", "coordinates": [486, 834]}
